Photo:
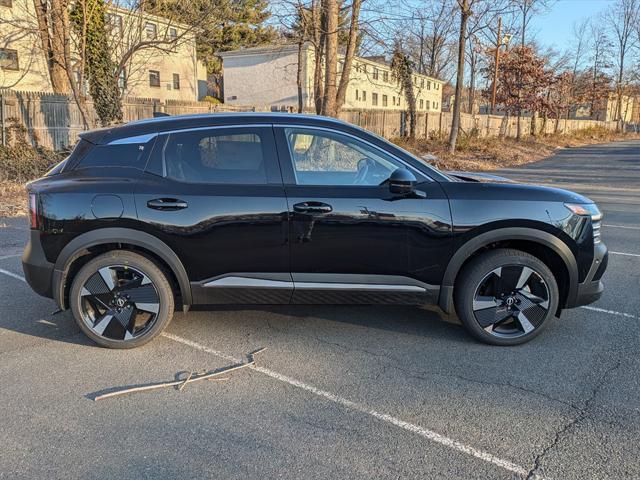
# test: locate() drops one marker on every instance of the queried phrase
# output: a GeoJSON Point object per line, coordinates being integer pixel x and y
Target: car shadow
{"type": "Point", "coordinates": [39, 320]}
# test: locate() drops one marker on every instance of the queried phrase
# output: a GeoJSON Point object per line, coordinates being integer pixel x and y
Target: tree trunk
{"type": "Point", "coordinates": [455, 122]}
{"type": "Point", "coordinates": [52, 41]}
{"type": "Point", "coordinates": [350, 53]}
{"type": "Point", "coordinates": [519, 125]}
{"type": "Point", "coordinates": [329, 106]}
{"type": "Point", "coordinates": [299, 77]}
{"type": "Point", "coordinates": [534, 130]}
{"type": "Point", "coordinates": [319, 38]}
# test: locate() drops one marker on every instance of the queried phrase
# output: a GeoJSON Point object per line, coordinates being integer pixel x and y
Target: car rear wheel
{"type": "Point", "coordinates": [506, 297]}
{"type": "Point", "coordinates": [121, 299]}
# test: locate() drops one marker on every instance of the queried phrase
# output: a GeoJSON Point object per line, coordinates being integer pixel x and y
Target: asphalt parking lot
{"type": "Point", "coordinates": [341, 392]}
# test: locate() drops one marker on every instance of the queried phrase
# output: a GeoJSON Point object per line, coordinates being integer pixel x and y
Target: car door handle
{"type": "Point", "coordinates": [167, 204]}
{"type": "Point", "coordinates": [312, 207]}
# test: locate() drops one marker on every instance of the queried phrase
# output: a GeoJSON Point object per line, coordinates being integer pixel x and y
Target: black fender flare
{"type": "Point", "coordinates": [445, 299]}
{"type": "Point", "coordinates": [75, 247]}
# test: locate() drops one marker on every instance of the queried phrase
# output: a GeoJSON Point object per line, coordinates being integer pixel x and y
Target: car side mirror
{"type": "Point", "coordinates": [402, 182]}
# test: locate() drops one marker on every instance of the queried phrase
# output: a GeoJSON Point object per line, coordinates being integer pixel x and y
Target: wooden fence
{"type": "Point", "coordinates": [54, 121]}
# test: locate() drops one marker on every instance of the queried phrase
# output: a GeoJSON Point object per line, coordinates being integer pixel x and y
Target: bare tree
{"type": "Point", "coordinates": [350, 52]}
{"type": "Point", "coordinates": [483, 12]}
{"type": "Point", "coordinates": [52, 16]}
{"type": "Point", "coordinates": [331, 13]}
{"type": "Point", "coordinates": [465, 13]}
{"type": "Point", "coordinates": [431, 43]}
{"type": "Point", "coordinates": [622, 21]}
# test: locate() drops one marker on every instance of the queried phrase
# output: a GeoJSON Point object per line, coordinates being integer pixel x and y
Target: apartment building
{"type": "Point", "coordinates": [268, 76]}
{"type": "Point", "coordinates": [172, 73]}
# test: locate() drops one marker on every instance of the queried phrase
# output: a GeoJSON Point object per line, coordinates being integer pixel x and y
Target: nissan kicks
{"type": "Point", "coordinates": [166, 213]}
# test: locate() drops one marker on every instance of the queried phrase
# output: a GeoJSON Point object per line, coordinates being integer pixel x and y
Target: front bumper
{"type": "Point", "coordinates": [37, 270]}
{"type": "Point", "coordinates": [591, 289]}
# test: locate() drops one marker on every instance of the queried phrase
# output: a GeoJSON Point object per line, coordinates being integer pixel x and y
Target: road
{"type": "Point", "coordinates": [341, 392]}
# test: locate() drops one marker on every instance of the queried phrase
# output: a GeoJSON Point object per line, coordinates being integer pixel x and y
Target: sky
{"type": "Point", "coordinates": [555, 27]}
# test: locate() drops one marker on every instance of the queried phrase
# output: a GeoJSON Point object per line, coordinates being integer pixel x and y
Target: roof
{"type": "Point", "coordinates": [179, 122]}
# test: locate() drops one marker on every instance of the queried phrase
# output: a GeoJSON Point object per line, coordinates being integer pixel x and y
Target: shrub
{"type": "Point", "coordinates": [210, 99]}
{"type": "Point", "coordinates": [20, 161]}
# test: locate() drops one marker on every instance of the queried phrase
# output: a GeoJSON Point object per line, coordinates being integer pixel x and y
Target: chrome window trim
{"type": "Point", "coordinates": [136, 139]}
{"type": "Point", "coordinates": [359, 139]}
{"type": "Point", "coordinates": [216, 127]}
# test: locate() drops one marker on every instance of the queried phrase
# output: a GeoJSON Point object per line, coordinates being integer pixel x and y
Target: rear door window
{"type": "Point", "coordinates": [220, 156]}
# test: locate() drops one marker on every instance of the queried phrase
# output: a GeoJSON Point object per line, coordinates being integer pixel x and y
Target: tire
{"type": "Point", "coordinates": [121, 299]}
{"type": "Point", "coordinates": [506, 297]}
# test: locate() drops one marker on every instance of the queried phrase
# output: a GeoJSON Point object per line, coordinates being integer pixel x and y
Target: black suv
{"type": "Point", "coordinates": [292, 209]}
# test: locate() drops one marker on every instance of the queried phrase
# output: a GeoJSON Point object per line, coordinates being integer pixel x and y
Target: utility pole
{"type": "Point", "coordinates": [495, 66]}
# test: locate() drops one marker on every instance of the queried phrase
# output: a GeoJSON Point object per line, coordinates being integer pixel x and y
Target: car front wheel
{"type": "Point", "coordinates": [121, 299]}
{"type": "Point", "coordinates": [506, 297]}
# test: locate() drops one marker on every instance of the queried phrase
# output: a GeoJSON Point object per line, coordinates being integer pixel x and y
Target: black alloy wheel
{"type": "Point", "coordinates": [121, 299]}
{"type": "Point", "coordinates": [511, 301]}
{"type": "Point", "coordinates": [506, 297]}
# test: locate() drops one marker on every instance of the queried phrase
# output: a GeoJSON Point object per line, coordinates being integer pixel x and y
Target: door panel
{"type": "Point", "coordinates": [219, 229]}
{"type": "Point", "coordinates": [365, 235]}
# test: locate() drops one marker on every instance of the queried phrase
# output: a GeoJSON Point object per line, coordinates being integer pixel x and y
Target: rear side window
{"type": "Point", "coordinates": [116, 155]}
{"type": "Point", "coordinates": [78, 153]}
{"type": "Point", "coordinates": [218, 156]}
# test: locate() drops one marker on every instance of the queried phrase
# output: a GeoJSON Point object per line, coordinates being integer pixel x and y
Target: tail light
{"type": "Point", "coordinates": [34, 217]}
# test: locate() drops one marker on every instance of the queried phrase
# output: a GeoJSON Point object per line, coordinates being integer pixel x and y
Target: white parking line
{"type": "Point", "coordinates": [4, 257]}
{"type": "Point", "coordinates": [611, 312]}
{"type": "Point", "coordinates": [11, 274]}
{"type": "Point", "coordinates": [621, 226]}
{"type": "Point", "coordinates": [410, 427]}
{"type": "Point", "coordinates": [423, 432]}
{"type": "Point", "coordinates": [625, 254]}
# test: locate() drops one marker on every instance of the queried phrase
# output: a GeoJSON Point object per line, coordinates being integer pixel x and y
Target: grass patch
{"type": "Point", "coordinates": [474, 153]}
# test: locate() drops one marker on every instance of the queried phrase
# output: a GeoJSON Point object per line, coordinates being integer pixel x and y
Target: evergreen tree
{"type": "Point", "coordinates": [87, 17]}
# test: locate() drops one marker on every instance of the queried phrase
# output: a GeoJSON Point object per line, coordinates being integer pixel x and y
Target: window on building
{"type": "Point", "coordinates": [393, 101]}
{"type": "Point", "coordinates": [9, 59]}
{"type": "Point", "coordinates": [429, 85]}
{"type": "Point", "coordinates": [151, 30]}
{"type": "Point", "coordinates": [385, 76]}
{"type": "Point", "coordinates": [217, 156]}
{"type": "Point", "coordinates": [422, 83]}
{"type": "Point", "coordinates": [374, 99]}
{"type": "Point", "coordinates": [385, 100]}
{"type": "Point", "coordinates": [357, 95]}
{"type": "Point", "coordinates": [421, 104]}
{"type": "Point", "coordinates": [437, 86]}
{"type": "Point", "coordinates": [6, 3]}
{"type": "Point", "coordinates": [154, 78]}
{"type": "Point", "coordinates": [376, 73]}
{"type": "Point", "coordinates": [176, 81]}
{"type": "Point", "coordinates": [428, 102]}
{"type": "Point", "coordinates": [173, 33]}
{"type": "Point", "coordinates": [364, 96]}
{"type": "Point", "coordinates": [113, 23]}
{"type": "Point", "coordinates": [122, 80]}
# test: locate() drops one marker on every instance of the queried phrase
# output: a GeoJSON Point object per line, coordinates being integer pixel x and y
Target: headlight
{"type": "Point", "coordinates": [590, 210]}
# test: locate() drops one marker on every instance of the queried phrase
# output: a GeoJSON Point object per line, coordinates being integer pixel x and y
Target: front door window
{"type": "Point", "coordinates": [326, 158]}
